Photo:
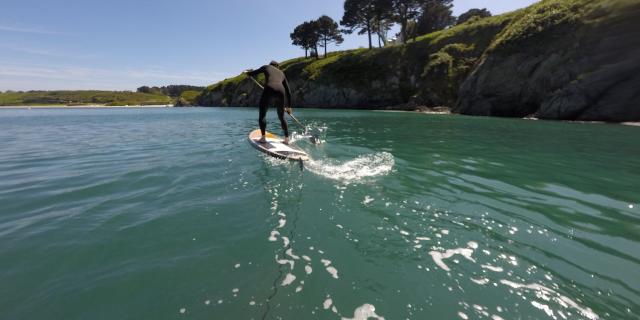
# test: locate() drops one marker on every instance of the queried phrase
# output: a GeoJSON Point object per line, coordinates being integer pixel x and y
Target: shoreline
{"type": "Point", "coordinates": [429, 111]}
{"type": "Point", "coordinates": [82, 107]}
{"type": "Point", "coordinates": [447, 111]}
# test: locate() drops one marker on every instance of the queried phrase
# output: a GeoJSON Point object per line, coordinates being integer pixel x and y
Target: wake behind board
{"type": "Point", "coordinates": [275, 147]}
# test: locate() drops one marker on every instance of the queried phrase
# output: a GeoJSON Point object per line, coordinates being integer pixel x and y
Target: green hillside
{"type": "Point", "coordinates": [88, 97]}
{"type": "Point", "coordinates": [556, 59]}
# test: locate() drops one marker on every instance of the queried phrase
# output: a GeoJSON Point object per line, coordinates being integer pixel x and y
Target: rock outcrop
{"type": "Point", "coordinates": [557, 59]}
{"type": "Point", "coordinates": [581, 62]}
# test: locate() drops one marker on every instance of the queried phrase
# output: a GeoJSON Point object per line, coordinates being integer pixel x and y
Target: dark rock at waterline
{"type": "Point", "coordinates": [557, 59]}
{"type": "Point", "coordinates": [181, 102]}
{"type": "Point", "coordinates": [584, 70]}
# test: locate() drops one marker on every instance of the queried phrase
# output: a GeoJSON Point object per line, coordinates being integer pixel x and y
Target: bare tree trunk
{"type": "Point", "coordinates": [325, 47]}
{"type": "Point", "coordinates": [379, 29]}
{"type": "Point", "coordinates": [369, 34]}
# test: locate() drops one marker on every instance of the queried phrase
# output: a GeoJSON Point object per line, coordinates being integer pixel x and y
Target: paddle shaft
{"type": "Point", "coordinates": [292, 117]}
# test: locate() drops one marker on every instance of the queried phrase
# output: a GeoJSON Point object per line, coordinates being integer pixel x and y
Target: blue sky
{"type": "Point", "coordinates": [121, 45]}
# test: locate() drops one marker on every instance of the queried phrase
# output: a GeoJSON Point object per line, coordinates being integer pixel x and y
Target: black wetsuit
{"type": "Point", "coordinates": [276, 90]}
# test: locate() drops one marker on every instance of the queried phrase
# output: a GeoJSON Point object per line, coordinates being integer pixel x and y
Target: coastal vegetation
{"type": "Point", "coordinates": [473, 14]}
{"type": "Point", "coordinates": [556, 59]}
{"type": "Point", "coordinates": [143, 96]}
{"type": "Point", "coordinates": [171, 90]}
{"type": "Point", "coordinates": [311, 34]}
{"type": "Point", "coordinates": [83, 97]}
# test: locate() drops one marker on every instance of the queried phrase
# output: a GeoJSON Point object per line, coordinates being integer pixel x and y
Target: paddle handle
{"type": "Point", "coordinates": [256, 81]}
{"type": "Point", "coordinates": [298, 122]}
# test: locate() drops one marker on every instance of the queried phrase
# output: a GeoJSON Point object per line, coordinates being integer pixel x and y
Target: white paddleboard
{"type": "Point", "coordinates": [275, 147]}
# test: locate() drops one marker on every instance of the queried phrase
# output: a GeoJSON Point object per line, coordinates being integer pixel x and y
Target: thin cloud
{"type": "Point", "coordinates": [55, 78]}
{"type": "Point", "coordinates": [28, 30]}
{"type": "Point", "coordinates": [47, 53]}
{"type": "Point", "coordinates": [30, 50]}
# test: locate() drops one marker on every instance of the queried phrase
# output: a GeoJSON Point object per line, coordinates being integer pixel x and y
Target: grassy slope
{"type": "Point", "coordinates": [432, 68]}
{"type": "Point", "coordinates": [358, 68]}
{"type": "Point", "coordinates": [89, 97]}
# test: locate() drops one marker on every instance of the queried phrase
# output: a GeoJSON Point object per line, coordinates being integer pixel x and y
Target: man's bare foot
{"type": "Point", "coordinates": [262, 140]}
{"type": "Point", "coordinates": [286, 140]}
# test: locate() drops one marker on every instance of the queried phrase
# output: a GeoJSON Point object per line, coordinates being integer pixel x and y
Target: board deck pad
{"type": "Point", "coordinates": [275, 147]}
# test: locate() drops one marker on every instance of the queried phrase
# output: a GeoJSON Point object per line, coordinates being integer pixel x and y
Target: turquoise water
{"type": "Point", "coordinates": [170, 214]}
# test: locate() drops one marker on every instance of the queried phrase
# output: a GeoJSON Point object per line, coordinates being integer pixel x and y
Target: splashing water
{"type": "Point", "coordinates": [355, 170]}
{"type": "Point", "coordinates": [315, 132]}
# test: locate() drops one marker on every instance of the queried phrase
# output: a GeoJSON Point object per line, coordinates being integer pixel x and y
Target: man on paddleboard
{"type": "Point", "coordinates": [276, 91]}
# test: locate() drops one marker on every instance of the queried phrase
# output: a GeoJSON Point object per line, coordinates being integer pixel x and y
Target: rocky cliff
{"type": "Point", "coordinates": [557, 59]}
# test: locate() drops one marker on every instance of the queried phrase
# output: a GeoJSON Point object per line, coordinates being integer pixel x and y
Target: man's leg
{"type": "Point", "coordinates": [283, 120]}
{"type": "Point", "coordinates": [264, 105]}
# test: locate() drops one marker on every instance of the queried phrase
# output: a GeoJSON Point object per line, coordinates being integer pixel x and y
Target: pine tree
{"type": "Point", "coordinates": [306, 36]}
{"type": "Point", "coordinates": [435, 15]}
{"type": "Point", "coordinates": [403, 12]}
{"type": "Point", "coordinates": [480, 13]}
{"type": "Point", "coordinates": [328, 32]}
{"type": "Point", "coordinates": [359, 15]}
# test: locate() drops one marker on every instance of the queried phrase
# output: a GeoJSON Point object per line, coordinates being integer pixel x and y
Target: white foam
{"type": "Point", "coordinates": [308, 269]}
{"type": "Point", "coordinates": [325, 262]}
{"type": "Point", "coordinates": [183, 310]}
{"type": "Point", "coordinates": [252, 303]}
{"type": "Point", "coordinates": [548, 294]}
{"type": "Point", "coordinates": [274, 235]}
{"type": "Point", "coordinates": [285, 261]}
{"type": "Point", "coordinates": [237, 266]}
{"type": "Point", "coordinates": [288, 279]}
{"type": "Point", "coordinates": [281, 223]}
{"type": "Point", "coordinates": [481, 281]}
{"type": "Point", "coordinates": [306, 258]}
{"type": "Point", "coordinates": [364, 312]}
{"type": "Point", "coordinates": [354, 170]}
{"type": "Point", "coordinates": [285, 242]}
{"type": "Point", "coordinates": [438, 257]}
{"type": "Point", "coordinates": [367, 200]}
{"type": "Point", "coordinates": [327, 303]}
{"type": "Point", "coordinates": [544, 308]}
{"type": "Point", "coordinates": [423, 238]}
{"type": "Point", "coordinates": [208, 302]}
{"type": "Point", "coordinates": [333, 271]}
{"type": "Point", "coordinates": [492, 268]}
{"type": "Point", "coordinates": [463, 316]}
{"type": "Point", "coordinates": [289, 252]}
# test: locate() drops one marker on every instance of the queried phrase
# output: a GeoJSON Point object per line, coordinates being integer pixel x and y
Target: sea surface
{"type": "Point", "coordinates": [170, 214]}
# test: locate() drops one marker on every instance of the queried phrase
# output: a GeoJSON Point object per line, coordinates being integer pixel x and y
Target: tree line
{"type": "Point", "coordinates": [171, 90]}
{"type": "Point", "coordinates": [376, 18]}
